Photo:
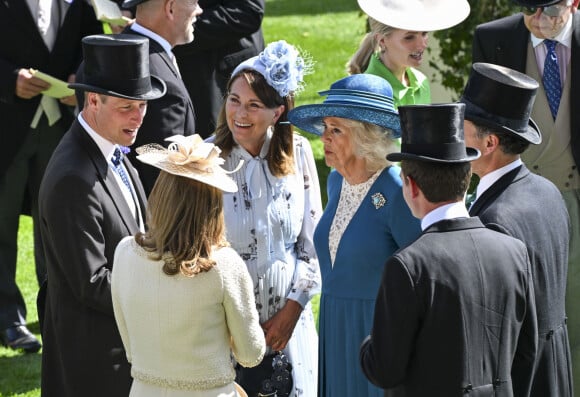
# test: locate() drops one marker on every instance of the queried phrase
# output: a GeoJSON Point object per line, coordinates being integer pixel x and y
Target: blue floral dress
{"type": "Point", "coordinates": [270, 222]}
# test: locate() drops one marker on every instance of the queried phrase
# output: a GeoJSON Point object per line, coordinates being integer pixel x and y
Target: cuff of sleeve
{"type": "Point", "coordinates": [299, 296]}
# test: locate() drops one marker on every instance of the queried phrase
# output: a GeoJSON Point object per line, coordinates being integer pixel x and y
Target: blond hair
{"type": "Point", "coordinates": [371, 142]}
{"type": "Point", "coordinates": [359, 62]}
{"type": "Point", "coordinates": [185, 219]}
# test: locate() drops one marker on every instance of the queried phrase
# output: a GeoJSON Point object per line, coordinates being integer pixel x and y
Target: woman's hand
{"type": "Point", "coordinates": [279, 328]}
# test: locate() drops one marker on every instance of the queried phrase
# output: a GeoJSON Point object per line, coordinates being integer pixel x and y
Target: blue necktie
{"type": "Point", "coordinates": [116, 160]}
{"type": "Point", "coordinates": [551, 78]}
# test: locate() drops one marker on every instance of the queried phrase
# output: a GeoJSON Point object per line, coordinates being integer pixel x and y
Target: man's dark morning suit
{"type": "Point", "coordinates": [515, 205]}
{"type": "Point", "coordinates": [25, 151]}
{"type": "Point", "coordinates": [84, 216]}
{"type": "Point", "coordinates": [507, 42]}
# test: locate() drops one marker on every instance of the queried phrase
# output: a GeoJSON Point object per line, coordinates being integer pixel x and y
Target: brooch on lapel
{"type": "Point", "coordinates": [378, 200]}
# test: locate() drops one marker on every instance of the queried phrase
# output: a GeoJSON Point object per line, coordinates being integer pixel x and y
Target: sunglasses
{"type": "Point", "coordinates": [555, 10]}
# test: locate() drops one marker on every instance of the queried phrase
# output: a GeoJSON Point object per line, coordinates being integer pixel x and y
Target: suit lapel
{"type": "Point", "coordinates": [156, 48]}
{"type": "Point", "coordinates": [137, 185]}
{"type": "Point", "coordinates": [20, 11]}
{"type": "Point", "coordinates": [107, 178]}
{"type": "Point", "coordinates": [508, 54]}
{"type": "Point", "coordinates": [496, 189]}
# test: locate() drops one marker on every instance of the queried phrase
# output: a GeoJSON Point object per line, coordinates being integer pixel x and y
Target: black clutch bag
{"type": "Point", "coordinates": [271, 378]}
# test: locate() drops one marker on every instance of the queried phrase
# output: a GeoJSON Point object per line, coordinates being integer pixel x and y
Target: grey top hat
{"type": "Point", "coordinates": [118, 65]}
{"type": "Point", "coordinates": [501, 98]}
{"type": "Point", "coordinates": [433, 133]}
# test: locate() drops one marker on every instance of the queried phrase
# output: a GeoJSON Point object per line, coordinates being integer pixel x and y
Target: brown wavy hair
{"type": "Point", "coordinates": [280, 155]}
{"type": "Point", "coordinates": [185, 220]}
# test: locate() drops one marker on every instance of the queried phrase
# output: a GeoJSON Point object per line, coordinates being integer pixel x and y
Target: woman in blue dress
{"type": "Point", "coordinates": [270, 220]}
{"type": "Point", "coordinates": [365, 221]}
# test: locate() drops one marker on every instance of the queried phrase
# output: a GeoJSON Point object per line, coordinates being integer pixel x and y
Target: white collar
{"type": "Point", "coordinates": [447, 211]}
{"type": "Point", "coordinates": [489, 179]}
{"type": "Point", "coordinates": [153, 36]}
{"type": "Point", "coordinates": [106, 147]}
{"type": "Point", "coordinates": [564, 37]}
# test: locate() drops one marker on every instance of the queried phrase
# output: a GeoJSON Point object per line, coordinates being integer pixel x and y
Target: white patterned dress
{"type": "Point", "coordinates": [270, 222]}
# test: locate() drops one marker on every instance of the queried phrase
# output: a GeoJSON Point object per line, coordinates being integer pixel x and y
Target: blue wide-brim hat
{"type": "Point", "coordinates": [362, 97]}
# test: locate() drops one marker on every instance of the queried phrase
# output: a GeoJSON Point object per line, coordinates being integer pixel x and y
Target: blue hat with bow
{"type": "Point", "coordinates": [362, 97]}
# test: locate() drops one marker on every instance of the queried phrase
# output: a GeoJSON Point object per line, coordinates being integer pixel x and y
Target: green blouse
{"type": "Point", "coordinates": [419, 91]}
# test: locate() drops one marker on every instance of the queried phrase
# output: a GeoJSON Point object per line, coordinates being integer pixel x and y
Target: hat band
{"type": "Point", "coordinates": [443, 151]}
{"type": "Point", "coordinates": [472, 110]}
{"type": "Point", "coordinates": [354, 99]}
{"type": "Point", "coordinates": [129, 87]}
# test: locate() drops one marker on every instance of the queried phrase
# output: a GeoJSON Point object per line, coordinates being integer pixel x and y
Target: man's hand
{"type": "Point", "coordinates": [28, 86]}
{"type": "Point", "coordinates": [72, 99]}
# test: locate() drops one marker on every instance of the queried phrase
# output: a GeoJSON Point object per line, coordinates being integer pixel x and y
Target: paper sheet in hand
{"type": "Point", "coordinates": [108, 11]}
{"type": "Point", "coordinates": [58, 88]}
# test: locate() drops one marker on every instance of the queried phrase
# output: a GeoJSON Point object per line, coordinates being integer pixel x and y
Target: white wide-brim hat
{"type": "Point", "coordinates": [417, 15]}
{"type": "Point", "coordinates": [190, 157]}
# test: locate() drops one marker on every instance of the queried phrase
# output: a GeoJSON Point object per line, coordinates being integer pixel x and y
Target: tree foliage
{"type": "Point", "coordinates": [455, 43]}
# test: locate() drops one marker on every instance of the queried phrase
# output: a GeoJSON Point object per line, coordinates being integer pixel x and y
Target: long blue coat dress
{"type": "Point", "coordinates": [349, 289]}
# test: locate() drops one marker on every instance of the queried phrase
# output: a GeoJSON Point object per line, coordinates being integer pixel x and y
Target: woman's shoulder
{"type": "Point", "coordinates": [227, 259]}
{"type": "Point", "coordinates": [127, 245]}
{"type": "Point", "coordinates": [390, 177]}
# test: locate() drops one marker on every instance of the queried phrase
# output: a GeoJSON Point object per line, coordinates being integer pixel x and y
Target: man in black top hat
{"type": "Point", "coordinates": [455, 312]}
{"type": "Point", "coordinates": [90, 198]}
{"type": "Point", "coordinates": [523, 205]}
{"type": "Point", "coordinates": [165, 23]}
{"type": "Point", "coordinates": [546, 37]}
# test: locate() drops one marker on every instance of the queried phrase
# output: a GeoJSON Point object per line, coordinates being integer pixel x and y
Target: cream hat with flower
{"type": "Point", "coordinates": [190, 157]}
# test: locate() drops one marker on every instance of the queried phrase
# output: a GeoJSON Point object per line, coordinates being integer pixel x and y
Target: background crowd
{"type": "Point", "coordinates": [397, 252]}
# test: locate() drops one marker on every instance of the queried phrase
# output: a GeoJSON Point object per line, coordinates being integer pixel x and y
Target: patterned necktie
{"type": "Point", "coordinates": [116, 160]}
{"type": "Point", "coordinates": [44, 14]}
{"type": "Point", "coordinates": [551, 78]}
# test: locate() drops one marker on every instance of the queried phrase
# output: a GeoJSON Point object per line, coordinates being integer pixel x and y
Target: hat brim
{"type": "Point", "coordinates": [218, 178]}
{"type": "Point", "coordinates": [470, 155]}
{"type": "Point", "coordinates": [309, 117]}
{"type": "Point", "coordinates": [536, 3]}
{"type": "Point", "coordinates": [416, 15]}
{"type": "Point", "coordinates": [131, 3]}
{"type": "Point", "coordinates": [158, 89]}
{"type": "Point", "coordinates": [532, 134]}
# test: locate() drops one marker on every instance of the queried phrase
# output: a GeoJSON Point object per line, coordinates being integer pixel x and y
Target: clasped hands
{"type": "Point", "coordinates": [279, 328]}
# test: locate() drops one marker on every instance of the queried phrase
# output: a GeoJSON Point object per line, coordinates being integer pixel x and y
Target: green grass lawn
{"type": "Point", "coordinates": [329, 30]}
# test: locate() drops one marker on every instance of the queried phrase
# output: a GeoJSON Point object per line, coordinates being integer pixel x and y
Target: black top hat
{"type": "Point", "coordinates": [433, 133]}
{"type": "Point", "coordinates": [536, 3]}
{"type": "Point", "coordinates": [118, 65]}
{"type": "Point", "coordinates": [501, 98]}
{"type": "Point", "coordinates": [132, 3]}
